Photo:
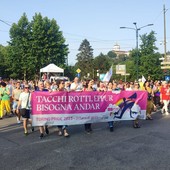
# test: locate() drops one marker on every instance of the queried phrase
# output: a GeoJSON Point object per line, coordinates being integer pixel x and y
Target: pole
{"type": "Point", "coordinates": [137, 55]}
{"type": "Point", "coordinates": [137, 51]}
{"type": "Point", "coordinates": [164, 33]}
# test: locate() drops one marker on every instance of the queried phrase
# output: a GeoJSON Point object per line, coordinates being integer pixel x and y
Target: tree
{"type": "Point", "coordinates": [148, 44]}
{"type": "Point", "coordinates": [34, 45]}
{"type": "Point", "coordinates": [48, 42]}
{"type": "Point", "coordinates": [19, 47]}
{"type": "Point", "coordinates": [85, 58]}
{"type": "Point", "coordinates": [86, 51]}
{"type": "Point", "coordinates": [102, 63]}
{"type": "Point", "coordinates": [111, 54]}
{"type": "Point", "coordinates": [149, 63]}
{"type": "Point", "coordinates": [3, 63]}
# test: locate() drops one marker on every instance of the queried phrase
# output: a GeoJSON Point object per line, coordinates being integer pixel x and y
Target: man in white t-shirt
{"type": "Point", "coordinates": [24, 103]}
{"type": "Point", "coordinates": [76, 85]}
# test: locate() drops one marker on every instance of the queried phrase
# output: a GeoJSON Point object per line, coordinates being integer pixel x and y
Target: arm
{"type": "Point", "coordinates": [13, 95]}
{"type": "Point", "coordinates": [7, 91]}
{"type": "Point", "coordinates": [19, 103]}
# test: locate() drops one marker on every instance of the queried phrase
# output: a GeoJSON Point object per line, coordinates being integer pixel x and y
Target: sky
{"type": "Point", "coordinates": [98, 21]}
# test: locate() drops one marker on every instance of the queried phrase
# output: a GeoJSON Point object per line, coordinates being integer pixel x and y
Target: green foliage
{"type": "Point", "coordinates": [34, 45]}
{"type": "Point", "coordinates": [150, 66]}
{"type": "Point", "coordinates": [70, 72]}
{"type": "Point", "coordinates": [102, 63]}
{"type": "Point", "coordinates": [3, 63]}
{"type": "Point", "coordinates": [149, 63]}
{"type": "Point", "coordinates": [86, 51]}
{"type": "Point", "coordinates": [111, 54]}
{"type": "Point", "coordinates": [148, 59]}
{"type": "Point", "coordinates": [85, 58]}
{"type": "Point", "coordinates": [148, 44]}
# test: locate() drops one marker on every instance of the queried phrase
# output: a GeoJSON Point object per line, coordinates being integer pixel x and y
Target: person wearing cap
{"type": "Point", "coordinates": [164, 97]}
{"type": "Point", "coordinates": [5, 100]}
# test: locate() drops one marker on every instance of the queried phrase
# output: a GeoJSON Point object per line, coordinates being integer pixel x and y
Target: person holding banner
{"type": "Point", "coordinates": [41, 128]}
{"type": "Point", "coordinates": [67, 86]}
{"type": "Point", "coordinates": [114, 89]}
{"type": "Point", "coordinates": [61, 87]}
{"type": "Point", "coordinates": [136, 87]}
{"type": "Point", "coordinates": [87, 126]}
{"type": "Point", "coordinates": [101, 87]}
{"type": "Point", "coordinates": [48, 86]}
{"type": "Point", "coordinates": [76, 85]}
{"type": "Point", "coordinates": [110, 86]}
{"type": "Point", "coordinates": [150, 104]}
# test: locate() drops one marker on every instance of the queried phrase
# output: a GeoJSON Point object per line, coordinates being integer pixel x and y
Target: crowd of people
{"type": "Point", "coordinates": [15, 98]}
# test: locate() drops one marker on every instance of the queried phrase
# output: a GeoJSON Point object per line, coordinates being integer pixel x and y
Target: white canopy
{"type": "Point", "coordinates": [52, 68]}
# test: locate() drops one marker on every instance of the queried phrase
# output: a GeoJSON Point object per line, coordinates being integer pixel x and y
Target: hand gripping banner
{"type": "Point", "coordinates": [71, 108]}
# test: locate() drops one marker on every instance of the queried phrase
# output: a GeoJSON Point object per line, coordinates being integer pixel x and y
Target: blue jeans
{"type": "Point", "coordinates": [110, 124]}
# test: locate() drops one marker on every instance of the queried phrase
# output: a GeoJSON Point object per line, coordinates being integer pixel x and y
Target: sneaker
{"type": "Point", "coordinates": [148, 117]}
{"type": "Point", "coordinates": [111, 129]}
{"type": "Point", "coordinates": [26, 133]}
{"type": "Point", "coordinates": [88, 131]}
{"type": "Point", "coordinates": [18, 121]}
{"type": "Point", "coordinates": [10, 115]}
{"type": "Point", "coordinates": [66, 134]}
{"type": "Point", "coordinates": [32, 129]}
{"type": "Point", "coordinates": [41, 135]}
{"type": "Point", "coordinates": [162, 111]}
{"type": "Point", "coordinates": [46, 130]}
{"type": "Point", "coordinates": [136, 125]}
{"type": "Point", "coordinates": [166, 113]}
{"type": "Point", "coordinates": [60, 133]}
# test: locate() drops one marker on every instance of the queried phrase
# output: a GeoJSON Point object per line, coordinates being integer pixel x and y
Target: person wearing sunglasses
{"type": "Point", "coordinates": [24, 107]}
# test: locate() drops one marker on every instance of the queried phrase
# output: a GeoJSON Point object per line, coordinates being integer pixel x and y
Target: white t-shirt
{"type": "Point", "coordinates": [76, 87]}
{"type": "Point", "coordinates": [24, 98]}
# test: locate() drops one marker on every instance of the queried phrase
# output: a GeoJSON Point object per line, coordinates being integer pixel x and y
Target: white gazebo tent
{"type": "Point", "coordinates": [51, 68]}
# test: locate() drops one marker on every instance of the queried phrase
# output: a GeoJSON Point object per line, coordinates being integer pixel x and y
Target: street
{"type": "Point", "coordinates": [126, 148]}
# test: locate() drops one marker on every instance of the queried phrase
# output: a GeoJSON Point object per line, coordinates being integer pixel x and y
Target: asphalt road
{"type": "Point", "coordinates": [126, 148]}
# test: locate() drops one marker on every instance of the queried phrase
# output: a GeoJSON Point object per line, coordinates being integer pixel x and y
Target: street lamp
{"type": "Point", "coordinates": [137, 34]}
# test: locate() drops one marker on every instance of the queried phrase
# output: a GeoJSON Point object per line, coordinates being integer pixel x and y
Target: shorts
{"type": "Point", "coordinates": [14, 105]}
{"type": "Point", "coordinates": [25, 113]}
